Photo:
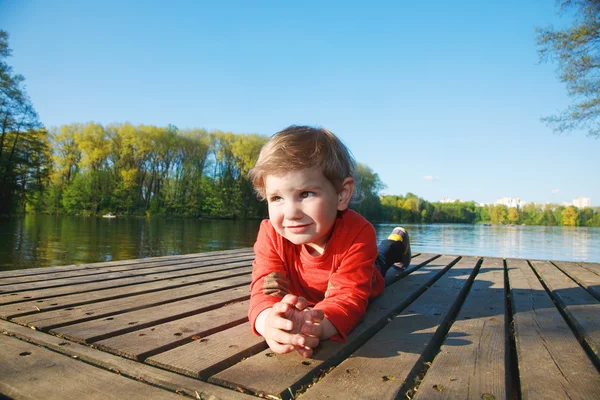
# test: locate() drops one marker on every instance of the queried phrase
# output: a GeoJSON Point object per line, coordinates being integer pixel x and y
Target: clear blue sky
{"type": "Point", "coordinates": [440, 98]}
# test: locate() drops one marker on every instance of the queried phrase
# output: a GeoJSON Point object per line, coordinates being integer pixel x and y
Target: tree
{"type": "Point", "coordinates": [20, 136]}
{"type": "Point", "coordinates": [513, 215]}
{"type": "Point", "coordinates": [367, 186]}
{"type": "Point", "coordinates": [576, 49]}
{"type": "Point", "coordinates": [569, 216]}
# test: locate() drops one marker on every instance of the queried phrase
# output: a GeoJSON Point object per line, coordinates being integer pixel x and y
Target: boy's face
{"type": "Point", "coordinates": [303, 206]}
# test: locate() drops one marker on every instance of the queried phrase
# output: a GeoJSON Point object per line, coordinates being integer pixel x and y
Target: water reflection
{"type": "Point", "coordinates": [532, 242]}
{"type": "Point", "coordinates": [35, 241]}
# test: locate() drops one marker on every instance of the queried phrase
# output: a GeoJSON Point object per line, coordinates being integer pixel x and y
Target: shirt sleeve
{"type": "Point", "coordinates": [349, 286]}
{"type": "Point", "coordinates": [270, 282]}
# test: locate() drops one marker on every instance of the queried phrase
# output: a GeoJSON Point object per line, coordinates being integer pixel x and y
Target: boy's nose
{"type": "Point", "coordinates": [292, 210]}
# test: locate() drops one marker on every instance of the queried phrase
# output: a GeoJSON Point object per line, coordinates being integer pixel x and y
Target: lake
{"type": "Point", "coordinates": [38, 241]}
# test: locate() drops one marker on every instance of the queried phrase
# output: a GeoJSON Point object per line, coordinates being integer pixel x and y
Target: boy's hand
{"type": "Point", "coordinates": [289, 326]}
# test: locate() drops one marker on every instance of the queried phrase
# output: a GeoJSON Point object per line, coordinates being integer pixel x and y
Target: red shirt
{"type": "Point", "coordinates": [340, 281]}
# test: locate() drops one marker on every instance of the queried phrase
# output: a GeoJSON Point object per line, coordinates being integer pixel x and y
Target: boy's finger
{"type": "Point", "coordinates": [311, 342]}
{"type": "Point", "coordinates": [278, 322]}
{"type": "Point", "coordinates": [316, 315]}
{"type": "Point", "coordinates": [280, 348]}
{"type": "Point", "coordinates": [290, 299]}
{"type": "Point", "coordinates": [312, 330]}
{"type": "Point", "coordinates": [304, 352]}
{"type": "Point", "coordinates": [301, 303]}
{"type": "Point", "coordinates": [288, 338]}
{"type": "Point", "coordinates": [281, 308]}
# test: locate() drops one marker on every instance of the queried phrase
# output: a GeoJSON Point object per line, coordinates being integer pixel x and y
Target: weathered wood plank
{"type": "Point", "coordinates": [53, 319]}
{"type": "Point", "coordinates": [416, 262]}
{"type": "Point", "coordinates": [583, 276]}
{"type": "Point", "coordinates": [580, 307]}
{"type": "Point", "coordinates": [158, 271]}
{"type": "Point", "coordinates": [471, 363]}
{"type": "Point", "coordinates": [552, 364]}
{"type": "Point", "coordinates": [159, 338]}
{"type": "Point", "coordinates": [77, 380]}
{"type": "Point", "coordinates": [385, 366]}
{"type": "Point", "coordinates": [72, 302]}
{"type": "Point", "coordinates": [205, 357]}
{"type": "Point", "coordinates": [102, 328]}
{"type": "Point", "coordinates": [124, 282]}
{"type": "Point", "coordinates": [48, 277]}
{"type": "Point", "coordinates": [133, 369]}
{"type": "Point", "coordinates": [593, 267]}
{"type": "Point", "coordinates": [282, 375]}
{"type": "Point", "coordinates": [75, 267]}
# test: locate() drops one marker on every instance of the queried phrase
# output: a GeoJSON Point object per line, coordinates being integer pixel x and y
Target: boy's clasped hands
{"type": "Point", "coordinates": [289, 325]}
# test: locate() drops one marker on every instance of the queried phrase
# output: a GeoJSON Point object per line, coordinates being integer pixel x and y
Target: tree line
{"type": "Point", "coordinates": [411, 208]}
{"type": "Point", "coordinates": [91, 169]}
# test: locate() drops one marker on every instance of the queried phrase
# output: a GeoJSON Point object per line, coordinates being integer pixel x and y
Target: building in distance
{"type": "Point", "coordinates": [510, 202]}
{"type": "Point", "coordinates": [582, 202]}
{"type": "Point", "coordinates": [448, 200]}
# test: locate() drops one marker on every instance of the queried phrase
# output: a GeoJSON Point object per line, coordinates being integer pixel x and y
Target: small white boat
{"type": "Point", "coordinates": [109, 215]}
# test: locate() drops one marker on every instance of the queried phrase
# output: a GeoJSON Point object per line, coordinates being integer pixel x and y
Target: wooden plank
{"type": "Point", "coordinates": [117, 268]}
{"type": "Point", "coordinates": [72, 302]}
{"type": "Point", "coordinates": [581, 308]}
{"type": "Point", "coordinates": [552, 364]}
{"type": "Point", "coordinates": [53, 319]}
{"type": "Point", "coordinates": [205, 357]}
{"type": "Point", "coordinates": [471, 363]}
{"type": "Point", "coordinates": [593, 267]}
{"type": "Point", "coordinates": [102, 328]}
{"type": "Point", "coordinates": [150, 341]}
{"type": "Point", "coordinates": [124, 282]}
{"type": "Point", "coordinates": [416, 262]}
{"type": "Point", "coordinates": [45, 368]}
{"type": "Point", "coordinates": [282, 375]}
{"type": "Point", "coordinates": [385, 366]}
{"type": "Point", "coordinates": [158, 271]}
{"type": "Point", "coordinates": [132, 369]}
{"type": "Point", "coordinates": [583, 276]}
{"type": "Point", "coordinates": [74, 267]}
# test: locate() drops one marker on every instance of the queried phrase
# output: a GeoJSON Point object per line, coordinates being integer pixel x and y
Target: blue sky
{"type": "Point", "coordinates": [442, 99]}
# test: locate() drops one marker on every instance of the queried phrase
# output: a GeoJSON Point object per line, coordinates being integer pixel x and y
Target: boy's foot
{"type": "Point", "coordinates": [399, 234]}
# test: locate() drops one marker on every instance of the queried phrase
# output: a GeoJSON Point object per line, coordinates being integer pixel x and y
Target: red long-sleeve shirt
{"type": "Point", "coordinates": [340, 281]}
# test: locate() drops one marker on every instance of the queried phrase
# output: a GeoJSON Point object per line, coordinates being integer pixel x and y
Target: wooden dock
{"type": "Point", "coordinates": [448, 327]}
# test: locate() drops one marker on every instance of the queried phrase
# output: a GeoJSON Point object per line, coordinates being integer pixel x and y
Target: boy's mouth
{"type": "Point", "coordinates": [297, 228]}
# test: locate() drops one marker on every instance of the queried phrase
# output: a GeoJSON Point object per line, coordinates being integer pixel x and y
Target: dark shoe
{"type": "Point", "coordinates": [399, 234]}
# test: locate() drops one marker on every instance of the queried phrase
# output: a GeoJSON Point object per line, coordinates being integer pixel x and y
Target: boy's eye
{"type": "Point", "coordinates": [274, 199]}
{"type": "Point", "coordinates": [304, 195]}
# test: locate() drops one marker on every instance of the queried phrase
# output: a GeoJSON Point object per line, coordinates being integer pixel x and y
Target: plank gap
{"type": "Point", "coordinates": [512, 362]}
{"type": "Point", "coordinates": [568, 319]}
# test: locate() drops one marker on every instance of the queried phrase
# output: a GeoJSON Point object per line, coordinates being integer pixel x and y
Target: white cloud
{"type": "Point", "coordinates": [554, 191]}
{"type": "Point", "coordinates": [431, 178]}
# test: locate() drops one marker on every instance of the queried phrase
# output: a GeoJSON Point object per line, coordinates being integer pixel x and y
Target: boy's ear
{"type": "Point", "coordinates": [345, 193]}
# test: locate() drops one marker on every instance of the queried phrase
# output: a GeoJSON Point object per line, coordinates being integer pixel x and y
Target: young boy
{"type": "Point", "coordinates": [317, 263]}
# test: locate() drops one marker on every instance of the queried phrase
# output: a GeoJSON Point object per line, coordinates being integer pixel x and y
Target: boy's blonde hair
{"type": "Point", "coordinates": [300, 147]}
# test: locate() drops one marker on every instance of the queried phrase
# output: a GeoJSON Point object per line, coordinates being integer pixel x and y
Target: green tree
{"type": "Point", "coordinates": [569, 216]}
{"type": "Point", "coordinates": [513, 215]}
{"type": "Point", "coordinates": [23, 144]}
{"type": "Point", "coordinates": [585, 217]}
{"type": "Point", "coordinates": [577, 53]}
{"type": "Point", "coordinates": [367, 186]}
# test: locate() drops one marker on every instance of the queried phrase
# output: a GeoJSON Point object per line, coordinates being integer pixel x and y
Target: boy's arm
{"type": "Point", "coordinates": [349, 287]}
{"type": "Point", "coordinates": [269, 279]}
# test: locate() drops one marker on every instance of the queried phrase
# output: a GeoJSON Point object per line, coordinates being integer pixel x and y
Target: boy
{"type": "Point", "coordinates": [317, 263]}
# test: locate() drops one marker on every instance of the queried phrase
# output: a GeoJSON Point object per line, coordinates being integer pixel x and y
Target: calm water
{"type": "Point", "coordinates": [37, 241]}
